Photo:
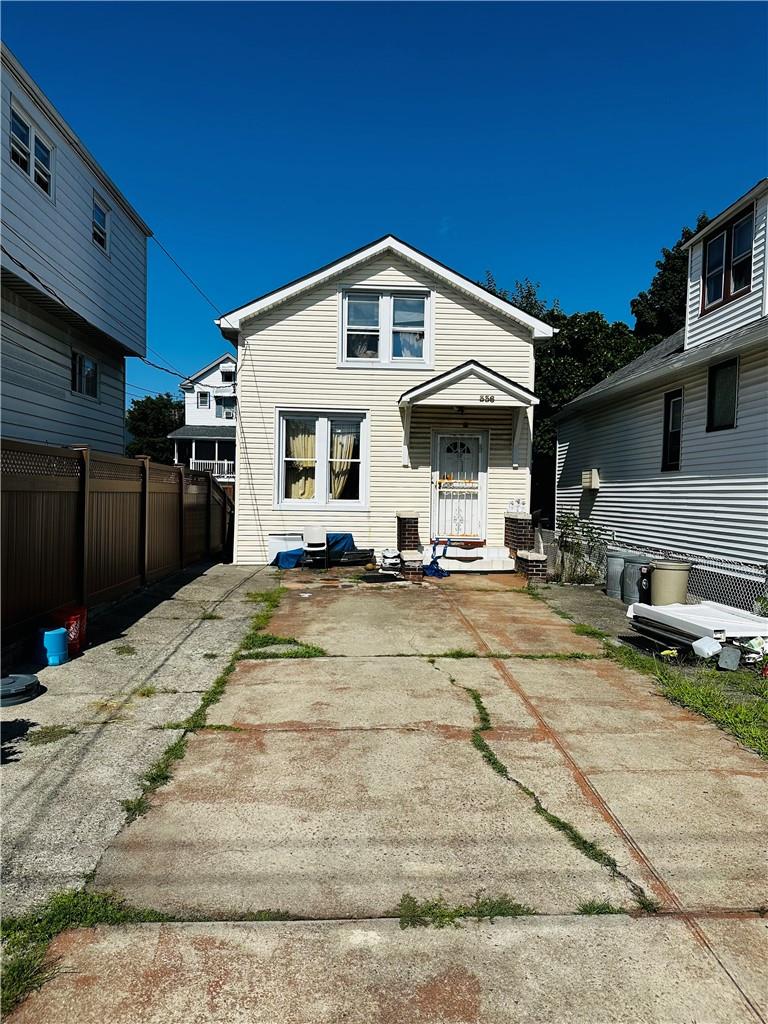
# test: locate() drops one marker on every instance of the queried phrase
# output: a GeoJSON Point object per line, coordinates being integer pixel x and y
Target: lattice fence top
{"type": "Point", "coordinates": [163, 476]}
{"type": "Point", "coordinates": [105, 469]}
{"type": "Point", "coordinates": [32, 463]}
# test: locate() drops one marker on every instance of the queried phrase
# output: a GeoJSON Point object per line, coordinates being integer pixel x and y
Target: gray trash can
{"type": "Point", "coordinates": [629, 589]}
{"type": "Point", "coordinates": [614, 570]}
{"type": "Point", "coordinates": [669, 582]}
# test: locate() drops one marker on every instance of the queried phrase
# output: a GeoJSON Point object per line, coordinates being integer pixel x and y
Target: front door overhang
{"type": "Point", "coordinates": [468, 385]}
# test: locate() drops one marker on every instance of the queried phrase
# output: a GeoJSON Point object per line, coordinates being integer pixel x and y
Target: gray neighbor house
{"type": "Point", "coordinates": [74, 279]}
{"type": "Point", "coordinates": [669, 455]}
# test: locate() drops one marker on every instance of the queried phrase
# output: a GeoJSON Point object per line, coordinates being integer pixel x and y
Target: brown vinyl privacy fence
{"type": "Point", "coordinates": [81, 527]}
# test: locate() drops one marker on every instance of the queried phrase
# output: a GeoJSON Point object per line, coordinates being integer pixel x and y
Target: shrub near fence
{"type": "Point", "coordinates": [81, 527]}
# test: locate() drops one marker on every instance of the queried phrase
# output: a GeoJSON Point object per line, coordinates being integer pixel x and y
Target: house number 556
{"type": "Point", "coordinates": [487, 398]}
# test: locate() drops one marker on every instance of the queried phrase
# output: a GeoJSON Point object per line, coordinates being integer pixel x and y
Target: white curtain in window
{"type": "Point", "coordinates": [300, 459]}
{"type": "Point", "coordinates": [343, 438]}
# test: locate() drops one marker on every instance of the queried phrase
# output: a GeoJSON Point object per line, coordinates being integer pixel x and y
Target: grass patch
{"type": "Point", "coordinates": [581, 629]}
{"type": "Point", "coordinates": [209, 616]}
{"type": "Point", "coordinates": [591, 907]}
{"type": "Point", "coordinates": [146, 691]}
{"type": "Point", "coordinates": [49, 734]}
{"type": "Point", "coordinates": [734, 701]}
{"type": "Point", "coordinates": [154, 777]}
{"type": "Point", "coordinates": [26, 938]}
{"type": "Point", "coordinates": [437, 913]}
{"type": "Point", "coordinates": [300, 651]}
{"type": "Point", "coordinates": [532, 591]}
{"type": "Point", "coordinates": [124, 649]}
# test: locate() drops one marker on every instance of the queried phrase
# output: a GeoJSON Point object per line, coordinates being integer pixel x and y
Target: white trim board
{"type": "Point", "coordinates": [389, 243]}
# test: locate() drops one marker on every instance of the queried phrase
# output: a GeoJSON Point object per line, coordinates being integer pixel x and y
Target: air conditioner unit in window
{"type": "Point", "coordinates": [229, 414]}
{"type": "Point", "coordinates": [590, 480]}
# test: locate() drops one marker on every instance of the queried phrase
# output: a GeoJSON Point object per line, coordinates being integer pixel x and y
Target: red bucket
{"type": "Point", "coordinates": [74, 621]}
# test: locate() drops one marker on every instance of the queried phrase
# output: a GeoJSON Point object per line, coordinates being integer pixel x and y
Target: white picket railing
{"type": "Point", "coordinates": [218, 468]}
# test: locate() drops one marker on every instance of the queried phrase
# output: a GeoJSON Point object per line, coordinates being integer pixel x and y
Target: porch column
{"type": "Point", "coordinates": [193, 453]}
{"type": "Point", "coordinates": [406, 416]}
{"type": "Point", "coordinates": [175, 452]}
{"type": "Point", "coordinates": [216, 451]}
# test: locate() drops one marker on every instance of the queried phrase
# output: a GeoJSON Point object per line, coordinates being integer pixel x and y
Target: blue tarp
{"type": "Point", "coordinates": [338, 543]}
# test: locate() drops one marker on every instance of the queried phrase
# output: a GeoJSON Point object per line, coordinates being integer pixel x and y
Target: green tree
{"type": "Point", "coordinates": [660, 311]}
{"type": "Point", "coordinates": [149, 421]}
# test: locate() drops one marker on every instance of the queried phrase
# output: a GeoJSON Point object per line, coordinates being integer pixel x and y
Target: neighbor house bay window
{"type": "Point", "coordinates": [321, 459]}
{"type": "Point", "coordinates": [385, 328]}
{"type": "Point", "coordinates": [727, 270]}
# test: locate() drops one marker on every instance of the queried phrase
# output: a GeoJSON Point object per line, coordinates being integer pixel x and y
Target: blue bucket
{"type": "Point", "coordinates": [54, 644]}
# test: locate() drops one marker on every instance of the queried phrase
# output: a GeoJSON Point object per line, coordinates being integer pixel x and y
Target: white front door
{"type": "Point", "coordinates": [458, 487]}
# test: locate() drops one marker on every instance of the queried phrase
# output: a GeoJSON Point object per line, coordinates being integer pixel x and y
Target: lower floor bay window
{"type": "Point", "coordinates": [322, 459]}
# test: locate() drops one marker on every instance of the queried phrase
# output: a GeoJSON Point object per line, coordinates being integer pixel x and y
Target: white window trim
{"type": "Point", "coordinates": [106, 248]}
{"type": "Point", "coordinates": [321, 460]}
{"type": "Point", "coordinates": [34, 132]}
{"type": "Point", "coordinates": [707, 274]}
{"type": "Point", "coordinates": [386, 360]}
{"type": "Point", "coordinates": [207, 395]}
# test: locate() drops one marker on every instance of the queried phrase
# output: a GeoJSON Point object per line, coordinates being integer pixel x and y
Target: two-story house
{"type": "Point", "coordinates": [382, 383]}
{"type": "Point", "coordinates": [207, 439]}
{"type": "Point", "coordinates": [679, 436]}
{"type": "Point", "coordinates": [74, 279]}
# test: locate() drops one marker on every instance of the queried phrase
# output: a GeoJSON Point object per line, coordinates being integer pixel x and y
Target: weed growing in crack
{"type": "Point", "coordinates": [459, 652]}
{"type": "Point", "coordinates": [437, 913]}
{"type": "Point", "coordinates": [646, 902]}
{"type": "Point", "coordinates": [592, 907]}
{"type": "Point", "coordinates": [146, 691]}
{"type": "Point", "coordinates": [209, 617]}
{"type": "Point", "coordinates": [482, 712]}
{"type": "Point", "coordinates": [208, 727]}
{"type": "Point", "coordinates": [210, 655]}
{"type": "Point", "coordinates": [478, 742]}
{"type": "Point", "coordinates": [560, 656]}
{"type": "Point", "coordinates": [257, 645]}
{"type": "Point", "coordinates": [124, 649]}
{"type": "Point", "coordinates": [154, 777]}
{"type": "Point", "coordinates": [581, 629]}
{"type": "Point", "coordinates": [49, 734]}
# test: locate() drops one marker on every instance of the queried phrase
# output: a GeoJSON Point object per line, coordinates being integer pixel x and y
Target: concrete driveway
{"type": "Point", "coordinates": [337, 784]}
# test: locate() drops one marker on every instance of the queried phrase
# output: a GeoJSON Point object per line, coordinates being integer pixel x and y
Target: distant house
{"type": "Point", "coordinates": [207, 439]}
{"type": "Point", "coordinates": [679, 437]}
{"type": "Point", "coordinates": [387, 396]}
{"type": "Point", "coordinates": [74, 276]}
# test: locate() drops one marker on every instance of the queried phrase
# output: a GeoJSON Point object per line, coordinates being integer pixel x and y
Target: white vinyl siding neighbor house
{"type": "Point", "coordinates": [73, 278]}
{"type": "Point", "coordinates": [679, 437]}
{"type": "Point", "coordinates": [207, 440]}
{"type": "Point", "coordinates": [344, 433]}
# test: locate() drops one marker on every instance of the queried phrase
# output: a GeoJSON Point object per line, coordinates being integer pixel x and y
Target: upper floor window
{"type": "Point", "coordinates": [385, 328]}
{"type": "Point", "coordinates": [100, 223]}
{"type": "Point", "coordinates": [203, 399]}
{"type": "Point", "coordinates": [227, 376]}
{"type": "Point", "coordinates": [673, 429]}
{"type": "Point", "coordinates": [85, 375]}
{"type": "Point", "coordinates": [225, 408]}
{"type": "Point", "coordinates": [31, 151]}
{"type": "Point", "coordinates": [728, 261]}
{"type": "Point", "coordinates": [722, 389]}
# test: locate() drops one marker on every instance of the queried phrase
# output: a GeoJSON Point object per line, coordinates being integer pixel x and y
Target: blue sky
{"type": "Point", "coordinates": [563, 142]}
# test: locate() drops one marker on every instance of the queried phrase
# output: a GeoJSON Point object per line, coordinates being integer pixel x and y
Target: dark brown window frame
{"type": "Point", "coordinates": [710, 395]}
{"type": "Point", "coordinates": [727, 230]}
{"type": "Point", "coordinates": [667, 465]}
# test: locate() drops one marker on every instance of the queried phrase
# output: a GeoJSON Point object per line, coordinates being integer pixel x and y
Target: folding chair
{"type": "Point", "coordinates": [315, 543]}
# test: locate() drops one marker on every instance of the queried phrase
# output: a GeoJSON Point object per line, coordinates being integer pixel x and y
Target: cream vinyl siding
{"type": "Point", "coordinates": [287, 359]}
{"type": "Point", "coordinates": [716, 504]}
{"type": "Point", "coordinates": [740, 312]}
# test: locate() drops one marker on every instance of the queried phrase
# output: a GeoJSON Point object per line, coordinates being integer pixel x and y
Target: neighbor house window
{"type": "Point", "coordinates": [386, 328]}
{"type": "Point", "coordinates": [225, 408]}
{"type": "Point", "coordinates": [728, 261]}
{"type": "Point", "coordinates": [31, 152]}
{"type": "Point", "coordinates": [227, 376]}
{"type": "Point", "coordinates": [722, 389]}
{"type": "Point", "coordinates": [673, 429]}
{"type": "Point", "coordinates": [203, 399]}
{"type": "Point", "coordinates": [85, 375]}
{"type": "Point", "coordinates": [321, 460]}
{"type": "Point", "coordinates": [100, 224]}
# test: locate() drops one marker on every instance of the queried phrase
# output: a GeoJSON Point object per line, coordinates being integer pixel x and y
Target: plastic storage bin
{"type": "Point", "coordinates": [669, 582]}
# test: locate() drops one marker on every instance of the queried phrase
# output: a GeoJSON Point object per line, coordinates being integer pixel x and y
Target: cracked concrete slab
{"type": "Point", "coordinates": [341, 823]}
{"type": "Point", "coordinates": [540, 971]}
{"type": "Point", "coordinates": [62, 801]}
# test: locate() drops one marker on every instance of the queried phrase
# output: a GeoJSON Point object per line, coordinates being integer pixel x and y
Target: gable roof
{"type": "Point", "coordinates": [227, 357]}
{"type": "Point", "coordinates": [469, 369]}
{"type": "Point", "coordinates": [229, 323]}
{"type": "Point", "coordinates": [712, 225]}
